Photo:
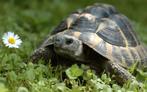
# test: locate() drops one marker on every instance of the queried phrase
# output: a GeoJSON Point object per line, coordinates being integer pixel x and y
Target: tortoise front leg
{"type": "Point", "coordinates": [121, 74]}
{"type": "Point", "coordinates": [41, 53]}
{"type": "Point", "coordinates": [45, 51]}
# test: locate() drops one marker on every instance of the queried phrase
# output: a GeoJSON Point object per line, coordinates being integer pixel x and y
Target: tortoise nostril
{"type": "Point", "coordinates": [69, 41]}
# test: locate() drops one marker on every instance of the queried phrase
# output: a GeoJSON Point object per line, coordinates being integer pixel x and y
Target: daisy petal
{"type": "Point", "coordinates": [11, 40]}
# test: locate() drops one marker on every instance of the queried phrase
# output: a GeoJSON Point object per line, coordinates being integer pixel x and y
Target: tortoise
{"type": "Point", "coordinates": [98, 36]}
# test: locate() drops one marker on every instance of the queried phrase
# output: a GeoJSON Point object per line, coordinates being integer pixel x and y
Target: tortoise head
{"type": "Point", "coordinates": [68, 46]}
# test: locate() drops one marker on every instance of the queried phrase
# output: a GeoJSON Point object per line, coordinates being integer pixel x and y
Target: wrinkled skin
{"type": "Point", "coordinates": [70, 49]}
{"type": "Point", "coordinates": [68, 46]}
{"type": "Point", "coordinates": [100, 22]}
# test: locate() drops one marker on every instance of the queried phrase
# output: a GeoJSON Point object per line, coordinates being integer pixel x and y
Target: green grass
{"type": "Point", "coordinates": [32, 20]}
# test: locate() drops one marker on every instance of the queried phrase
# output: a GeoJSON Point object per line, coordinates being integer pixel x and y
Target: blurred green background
{"type": "Point", "coordinates": [32, 20]}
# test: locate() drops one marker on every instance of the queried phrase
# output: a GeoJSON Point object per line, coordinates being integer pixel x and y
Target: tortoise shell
{"type": "Point", "coordinates": [107, 32]}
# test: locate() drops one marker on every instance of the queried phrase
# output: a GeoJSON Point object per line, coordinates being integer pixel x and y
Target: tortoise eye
{"type": "Point", "coordinates": [69, 41]}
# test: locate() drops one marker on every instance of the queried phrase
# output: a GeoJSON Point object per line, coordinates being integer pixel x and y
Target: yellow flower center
{"type": "Point", "coordinates": [11, 40]}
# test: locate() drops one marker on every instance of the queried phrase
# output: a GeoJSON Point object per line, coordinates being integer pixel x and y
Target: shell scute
{"type": "Point", "coordinates": [101, 10]}
{"type": "Point", "coordinates": [107, 32]}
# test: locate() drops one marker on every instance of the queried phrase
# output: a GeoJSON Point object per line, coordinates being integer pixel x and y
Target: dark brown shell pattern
{"type": "Point", "coordinates": [106, 31]}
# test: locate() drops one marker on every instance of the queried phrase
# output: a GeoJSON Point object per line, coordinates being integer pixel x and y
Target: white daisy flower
{"type": "Point", "coordinates": [11, 40]}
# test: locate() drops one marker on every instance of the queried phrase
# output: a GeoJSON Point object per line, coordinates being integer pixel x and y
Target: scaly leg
{"type": "Point", "coordinates": [41, 53]}
{"type": "Point", "coordinates": [121, 74]}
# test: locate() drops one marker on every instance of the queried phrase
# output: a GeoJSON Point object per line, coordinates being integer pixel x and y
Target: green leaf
{"type": "Point", "coordinates": [3, 88]}
{"type": "Point", "coordinates": [89, 74]}
{"type": "Point", "coordinates": [22, 89]}
{"type": "Point", "coordinates": [105, 78]}
{"type": "Point", "coordinates": [30, 75]}
{"type": "Point", "coordinates": [74, 72]}
{"type": "Point", "coordinates": [12, 76]}
{"type": "Point", "coordinates": [76, 90]}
